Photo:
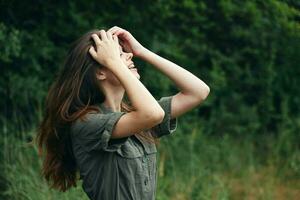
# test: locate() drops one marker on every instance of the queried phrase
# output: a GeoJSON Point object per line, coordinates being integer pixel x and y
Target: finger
{"type": "Point", "coordinates": [114, 28]}
{"type": "Point", "coordinates": [116, 39]}
{"type": "Point", "coordinates": [103, 35]}
{"type": "Point", "coordinates": [113, 31]}
{"type": "Point", "coordinates": [109, 35]}
{"type": "Point", "coordinates": [120, 32]}
{"type": "Point", "coordinates": [96, 39]}
{"type": "Point", "coordinates": [92, 52]}
{"type": "Point", "coordinates": [117, 29]}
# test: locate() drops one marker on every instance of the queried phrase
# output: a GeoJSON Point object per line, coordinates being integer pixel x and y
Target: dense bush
{"type": "Point", "coordinates": [246, 51]}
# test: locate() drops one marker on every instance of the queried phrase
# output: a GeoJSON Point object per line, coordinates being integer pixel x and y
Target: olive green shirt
{"type": "Point", "coordinates": [117, 169]}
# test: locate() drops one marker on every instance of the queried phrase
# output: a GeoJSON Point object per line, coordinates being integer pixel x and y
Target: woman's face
{"type": "Point", "coordinates": [126, 58]}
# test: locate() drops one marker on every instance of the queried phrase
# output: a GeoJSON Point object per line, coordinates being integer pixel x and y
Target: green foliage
{"type": "Point", "coordinates": [196, 167]}
{"type": "Point", "coordinates": [246, 51]}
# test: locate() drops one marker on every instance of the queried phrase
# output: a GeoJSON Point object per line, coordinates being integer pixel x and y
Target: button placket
{"type": "Point", "coordinates": [144, 159]}
{"type": "Point", "coordinates": [146, 181]}
{"type": "Point", "coordinates": [145, 164]}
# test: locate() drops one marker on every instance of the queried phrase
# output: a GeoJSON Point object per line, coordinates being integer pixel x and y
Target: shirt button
{"type": "Point", "coordinates": [146, 181]}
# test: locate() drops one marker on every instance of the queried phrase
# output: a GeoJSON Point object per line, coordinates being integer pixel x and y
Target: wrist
{"type": "Point", "coordinates": [142, 53]}
{"type": "Point", "coordinates": [114, 63]}
{"type": "Point", "coordinates": [145, 54]}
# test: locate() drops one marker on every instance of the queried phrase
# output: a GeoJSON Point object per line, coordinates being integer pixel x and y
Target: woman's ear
{"type": "Point", "coordinates": [100, 74]}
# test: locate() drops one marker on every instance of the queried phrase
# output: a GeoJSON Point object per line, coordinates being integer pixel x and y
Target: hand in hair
{"type": "Point", "coordinates": [107, 48]}
{"type": "Point", "coordinates": [127, 41]}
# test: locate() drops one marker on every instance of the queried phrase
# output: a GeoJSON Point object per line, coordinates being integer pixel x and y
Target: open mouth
{"type": "Point", "coordinates": [131, 66]}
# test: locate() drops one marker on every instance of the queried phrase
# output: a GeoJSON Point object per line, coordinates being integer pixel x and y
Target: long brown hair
{"type": "Point", "coordinates": [73, 94]}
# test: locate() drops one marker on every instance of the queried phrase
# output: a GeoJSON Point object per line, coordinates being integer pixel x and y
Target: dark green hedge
{"type": "Point", "coordinates": [246, 51]}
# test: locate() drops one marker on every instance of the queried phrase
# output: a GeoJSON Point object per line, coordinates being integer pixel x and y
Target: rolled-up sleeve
{"type": "Point", "coordinates": [168, 125]}
{"type": "Point", "coordinates": [94, 132]}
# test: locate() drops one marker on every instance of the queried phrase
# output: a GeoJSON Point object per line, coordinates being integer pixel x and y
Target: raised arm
{"type": "Point", "coordinates": [192, 89]}
{"type": "Point", "coordinates": [147, 112]}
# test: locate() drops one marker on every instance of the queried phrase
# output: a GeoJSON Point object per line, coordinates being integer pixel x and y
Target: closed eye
{"type": "Point", "coordinates": [121, 52]}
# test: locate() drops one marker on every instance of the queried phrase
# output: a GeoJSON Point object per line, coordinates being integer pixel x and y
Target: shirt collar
{"type": "Point", "coordinates": [105, 109]}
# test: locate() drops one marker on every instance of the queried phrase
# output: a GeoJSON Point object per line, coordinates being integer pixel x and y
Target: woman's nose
{"type": "Point", "coordinates": [129, 56]}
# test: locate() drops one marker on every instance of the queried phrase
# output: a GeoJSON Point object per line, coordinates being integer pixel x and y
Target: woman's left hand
{"type": "Point", "coordinates": [127, 41]}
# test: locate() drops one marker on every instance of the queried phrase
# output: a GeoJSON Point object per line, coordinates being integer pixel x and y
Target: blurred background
{"type": "Point", "coordinates": [243, 142]}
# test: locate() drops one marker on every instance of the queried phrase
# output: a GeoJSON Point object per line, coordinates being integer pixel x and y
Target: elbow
{"type": "Point", "coordinates": [207, 91]}
{"type": "Point", "coordinates": [159, 116]}
{"type": "Point", "coordinates": [156, 116]}
{"type": "Point", "coordinates": [204, 93]}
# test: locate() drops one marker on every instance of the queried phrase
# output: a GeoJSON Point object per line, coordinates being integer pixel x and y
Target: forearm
{"type": "Point", "coordinates": [139, 96]}
{"type": "Point", "coordinates": [187, 83]}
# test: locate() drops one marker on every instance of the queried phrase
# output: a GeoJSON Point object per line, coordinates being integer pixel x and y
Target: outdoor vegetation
{"type": "Point", "coordinates": [243, 142]}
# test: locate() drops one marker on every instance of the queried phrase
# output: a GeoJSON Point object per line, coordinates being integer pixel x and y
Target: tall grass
{"type": "Point", "coordinates": [202, 167]}
{"type": "Point", "coordinates": [191, 165]}
{"type": "Point", "coordinates": [21, 170]}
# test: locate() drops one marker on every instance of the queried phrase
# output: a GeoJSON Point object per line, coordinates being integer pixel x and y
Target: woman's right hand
{"type": "Point", "coordinates": [107, 48]}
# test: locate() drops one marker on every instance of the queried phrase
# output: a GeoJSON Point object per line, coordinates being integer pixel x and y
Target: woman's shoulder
{"type": "Point", "coordinates": [86, 119]}
{"type": "Point", "coordinates": [95, 120]}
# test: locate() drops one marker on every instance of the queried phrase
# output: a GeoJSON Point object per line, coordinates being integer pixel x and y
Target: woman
{"type": "Point", "coordinates": [89, 127]}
